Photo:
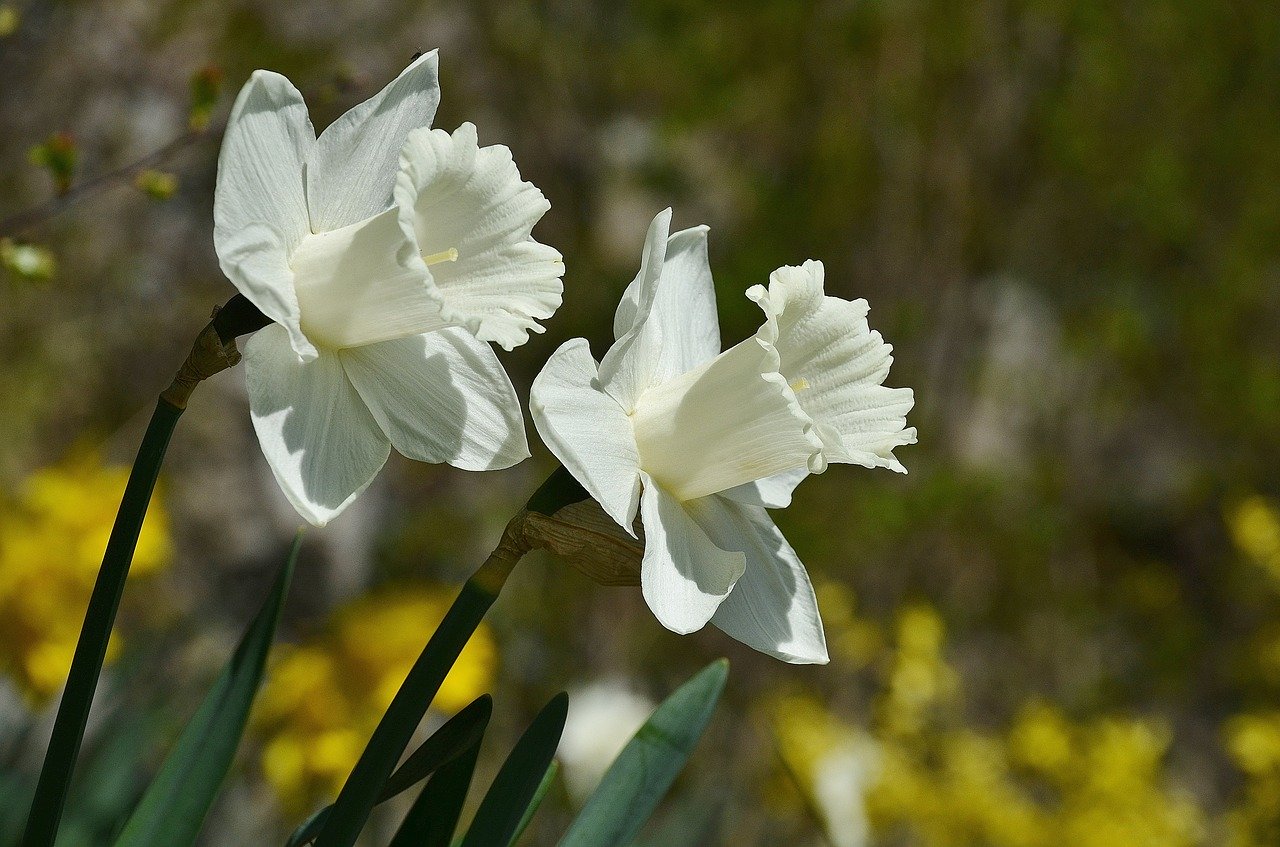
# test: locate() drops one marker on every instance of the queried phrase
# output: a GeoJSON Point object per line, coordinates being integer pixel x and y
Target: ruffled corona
{"type": "Point", "coordinates": [836, 365]}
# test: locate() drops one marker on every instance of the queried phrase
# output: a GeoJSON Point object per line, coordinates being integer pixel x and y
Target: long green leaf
{"type": "Point", "coordinates": [360, 793]}
{"type": "Point", "coordinates": [513, 789]}
{"type": "Point", "coordinates": [647, 766]}
{"type": "Point", "coordinates": [91, 649]}
{"type": "Point", "coordinates": [174, 807]}
{"type": "Point", "coordinates": [434, 815]}
{"type": "Point", "coordinates": [455, 737]}
{"type": "Point", "coordinates": [538, 796]}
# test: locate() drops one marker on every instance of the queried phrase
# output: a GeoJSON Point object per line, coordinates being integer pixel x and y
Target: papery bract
{"type": "Point", "coordinates": [701, 442]}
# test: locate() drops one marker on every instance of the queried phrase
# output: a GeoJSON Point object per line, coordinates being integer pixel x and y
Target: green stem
{"type": "Point", "coordinates": [77, 698]}
{"type": "Point", "coordinates": [214, 350]}
{"type": "Point", "coordinates": [395, 730]}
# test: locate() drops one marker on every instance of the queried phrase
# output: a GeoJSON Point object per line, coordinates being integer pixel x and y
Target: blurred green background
{"type": "Point", "coordinates": [1061, 628]}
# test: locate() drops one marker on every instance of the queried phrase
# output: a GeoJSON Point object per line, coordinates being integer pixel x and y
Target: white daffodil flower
{"type": "Point", "coordinates": [388, 254]}
{"type": "Point", "coordinates": [701, 442]}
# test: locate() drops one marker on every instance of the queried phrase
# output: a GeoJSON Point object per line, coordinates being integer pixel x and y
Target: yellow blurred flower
{"type": "Point", "coordinates": [1254, 524]}
{"type": "Point", "coordinates": [323, 699]}
{"type": "Point", "coordinates": [52, 535]}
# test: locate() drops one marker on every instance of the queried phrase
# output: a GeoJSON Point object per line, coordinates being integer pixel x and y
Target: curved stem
{"type": "Point", "coordinates": [86, 665]}
{"type": "Point", "coordinates": [210, 354]}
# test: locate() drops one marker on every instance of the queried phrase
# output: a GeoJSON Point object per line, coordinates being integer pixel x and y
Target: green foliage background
{"type": "Point", "coordinates": [1065, 215]}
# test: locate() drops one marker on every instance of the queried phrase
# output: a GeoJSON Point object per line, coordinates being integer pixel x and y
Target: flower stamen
{"type": "Point", "coordinates": [450, 255]}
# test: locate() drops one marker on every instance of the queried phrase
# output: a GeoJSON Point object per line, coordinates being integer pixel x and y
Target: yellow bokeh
{"type": "Point", "coordinates": [929, 779]}
{"type": "Point", "coordinates": [1254, 523]}
{"type": "Point", "coordinates": [53, 531]}
{"type": "Point", "coordinates": [323, 699]}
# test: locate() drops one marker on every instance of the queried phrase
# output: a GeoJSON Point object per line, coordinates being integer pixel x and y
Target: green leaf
{"type": "Point", "coordinates": [86, 665]}
{"type": "Point", "coordinates": [509, 797]}
{"type": "Point", "coordinates": [455, 737]}
{"type": "Point", "coordinates": [538, 796]}
{"type": "Point", "coordinates": [434, 815]}
{"type": "Point", "coordinates": [174, 806]}
{"type": "Point", "coordinates": [647, 766]}
{"type": "Point", "coordinates": [360, 793]}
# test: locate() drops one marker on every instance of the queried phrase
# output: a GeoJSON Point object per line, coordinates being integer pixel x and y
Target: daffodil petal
{"type": "Point", "coordinates": [772, 608]}
{"type": "Point", "coordinates": [352, 169]}
{"type": "Point", "coordinates": [773, 492]}
{"type": "Point", "coordinates": [684, 575]}
{"type": "Point", "coordinates": [259, 202]}
{"type": "Point", "coordinates": [683, 303]}
{"type": "Point", "coordinates": [441, 397]}
{"type": "Point", "coordinates": [321, 442]}
{"type": "Point", "coordinates": [835, 363]}
{"type": "Point", "coordinates": [728, 422]}
{"type": "Point", "coordinates": [472, 217]}
{"type": "Point", "coordinates": [355, 285]}
{"type": "Point", "coordinates": [630, 367]}
{"type": "Point", "coordinates": [254, 257]}
{"type": "Point", "coordinates": [587, 430]}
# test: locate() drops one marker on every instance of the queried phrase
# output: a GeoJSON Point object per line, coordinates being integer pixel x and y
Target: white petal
{"type": "Point", "coordinates": [259, 202]}
{"type": "Point", "coordinates": [836, 364]}
{"type": "Point", "coordinates": [630, 366]}
{"type": "Point", "coordinates": [323, 445]}
{"type": "Point", "coordinates": [441, 397]}
{"type": "Point", "coordinates": [353, 167]}
{"type": "Point", "coordinates": [454, 195]}
{"type": "Point", "coordinates": [364, 283]}
{"type": "Point", "coordinates": [684, 575]}
{"type": "Point", "coordinates": [683, 304]}
{"type": "Point", "coordinates": [587, 430]}
{"type": "Point", "coordinates": [728, 422]}
{"type": "Point", "coordinates": [772, 608]}
{"type": "Point", "coordinates": [773, 492]}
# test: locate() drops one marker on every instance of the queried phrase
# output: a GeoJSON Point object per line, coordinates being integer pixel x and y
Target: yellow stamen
{"type": "Point", "coordinates": [799, 384]}
{"type": "Point", "coordinates": [450, 255]}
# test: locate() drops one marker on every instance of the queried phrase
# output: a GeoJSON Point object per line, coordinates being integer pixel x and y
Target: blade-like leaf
{"type": "Point", "coordinates": [434, 815]}
{"type": "Point", "coordinates": [647, 766]}
{"type": "Point", "coordinates": [451, 740]}
{"type": "Point", "coordinates": [358, 796]}
{"type": "Point", "coordinates": [513, 789]}
{"type": "Point", "coordinates": [174, 806]}
{"type": "Point", "coordinates": [91, 649]}
{"type": "Point", "coordinates": [538, 796]}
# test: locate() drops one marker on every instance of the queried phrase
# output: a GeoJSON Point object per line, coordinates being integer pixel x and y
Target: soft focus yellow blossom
{"type": "Point", "coordinates": [323, 699]}
{"type": "Point", "coordinates": [1255, 528]}
{"type": "Point", "coordinates": [52, 535]}
{"type": "Point", "coordinates": [920, 776]}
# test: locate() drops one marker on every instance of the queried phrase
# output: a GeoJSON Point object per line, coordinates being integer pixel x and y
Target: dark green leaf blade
{"type": "Point", "coordinates": [647, 766]}
{"type": "Point", "coordinates": [538, 796]}
{"type": "Point", "coordinates": [455, 737]}
{"type": "Point", "coordinates": [513, 789]}
{"type": "Point", "coordinates": [434, 815]}
{"type": "Point", "coordinates": [175, 804]}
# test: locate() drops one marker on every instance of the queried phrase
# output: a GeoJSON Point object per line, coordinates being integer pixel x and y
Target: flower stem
{"type": "Point", "coordinates": [77, 697]}
{"type": "Point", "coordinates": [212, 352]}
{"type": "Point", "coordinates": [395, 730]}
